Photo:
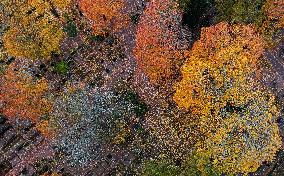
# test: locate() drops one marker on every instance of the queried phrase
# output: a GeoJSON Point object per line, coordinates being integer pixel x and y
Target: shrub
{"type": "Point", "coordinates": [71, 29]}
{"type": "Point", "coordinates": [61, 67]}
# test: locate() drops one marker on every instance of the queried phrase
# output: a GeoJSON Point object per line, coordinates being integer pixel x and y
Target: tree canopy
{"type": "Point", "coordinates": [106, 15]}
{"type": "Point", "coordinates": [156, 49]}
{"type": "Point", "coordinates": [236, 114]}
{"type": "Point", "coordinates": [22, 96]}
{"type": "Point", "coordinates": [33, 27]}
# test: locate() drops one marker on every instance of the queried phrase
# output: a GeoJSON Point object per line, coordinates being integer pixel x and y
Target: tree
{"type": "Point", "coordinates": [240, 11]}
{"type": "Point", "coordinates": [34, 27]}
{"type": "Point", "coordinates": [274, 9]}
{"type": "Point", "coordinates": [84, 120]}
{"type": "Point", "coordinates": [21, 96]}
{"type": "Point", "coordinates": [266, 15]}
{"type": "Point", "coordinates": [157, 44]}
{"type": "Point", "coordinates": [236, 114]}
{"type": "Point", "coordinates": [274, 21]}
{"type": "Point", "coordinates": [223, 56]}
{"type": "Point", "coordinates": [245, 139]}
{"type": "Point", "coordinates": [189, 167]}
{"type": "Point", "coordinates": [106, 15]}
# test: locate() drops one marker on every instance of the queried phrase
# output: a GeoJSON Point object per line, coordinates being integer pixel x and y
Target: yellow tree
{"type": "Point", "coordinates": [236, 114]}
{"type": "Point", "coordinates": [34, 27]}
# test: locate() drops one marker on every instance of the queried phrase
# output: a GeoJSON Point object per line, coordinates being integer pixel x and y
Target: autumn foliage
{"type": "Point", "coordinates": [106, 15]}
{"type": "Point", "coordinates": [225, 56]}
{"type": "Point", "coordinates": [161, 92]}
{"type": "Point", "coordinates": [157, 42]}
{"type": "Point", "coordinates": [240, 11]}
{"type": "Point", "coordinates": [274, 9]}
{"type": "Point", "coordinates": [21, 96]}
{"type": "Point", "coordinates": [236, 114]}
{"type": "Point", "coordinates": [266, 15]}
{"type": "Point", "coordinates": [34, 30]}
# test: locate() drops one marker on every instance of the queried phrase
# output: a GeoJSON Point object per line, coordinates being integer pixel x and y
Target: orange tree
{"type": "Point", "coordinates": [235, 113]}
{"type": "Point", "coordinates": [157, 40]}
{"type": "Point", "coordinates": [21, 96]}
{"type": "Point", "coordinates": [106, 15]}
{"type": "Point", "coordinates": [34, 27]}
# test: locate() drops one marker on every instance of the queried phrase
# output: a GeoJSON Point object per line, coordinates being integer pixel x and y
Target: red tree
{"type": "Point", "coordinates": [157, 42]}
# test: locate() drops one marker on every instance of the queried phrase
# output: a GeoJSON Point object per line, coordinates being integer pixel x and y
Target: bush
{"type": "Point", "coordinates": [61, 67]}
{"type": "Point", "coordinates": [71, 29]}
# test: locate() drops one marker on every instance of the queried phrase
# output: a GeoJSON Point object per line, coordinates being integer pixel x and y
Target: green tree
{"type": "Point", "coordinates": [240, 11]}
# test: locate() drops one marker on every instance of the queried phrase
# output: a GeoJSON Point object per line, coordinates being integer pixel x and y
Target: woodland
{"type": "Point", "coordinates": [141, 87]}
